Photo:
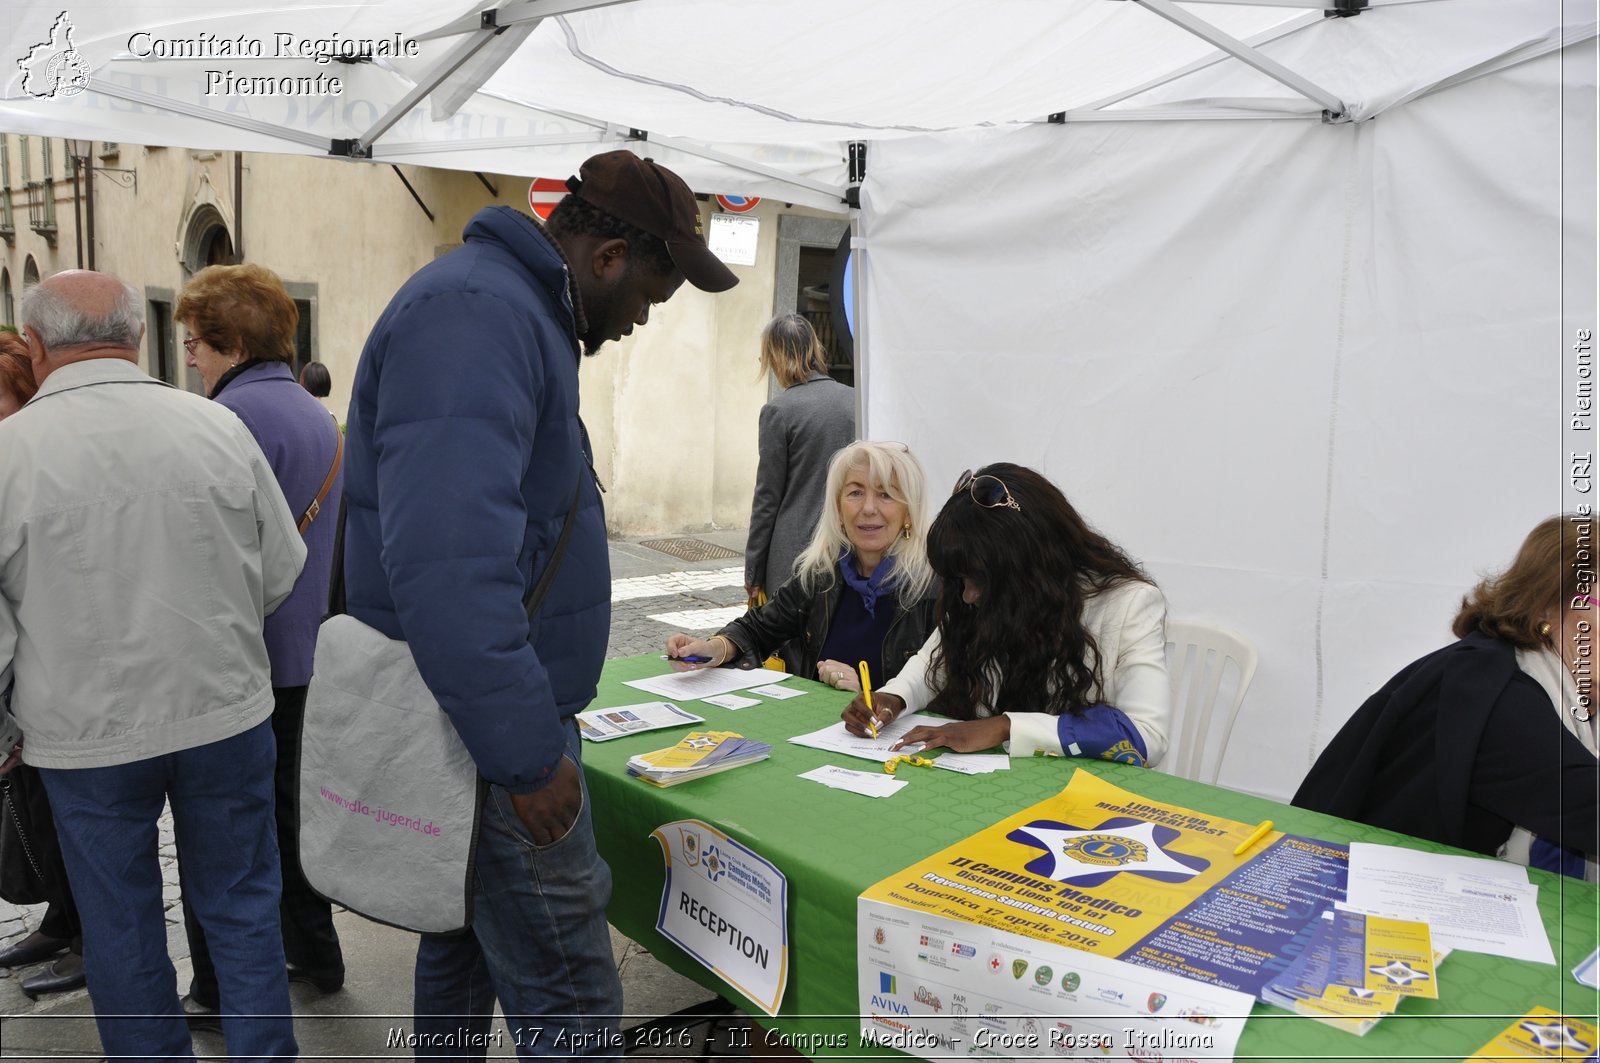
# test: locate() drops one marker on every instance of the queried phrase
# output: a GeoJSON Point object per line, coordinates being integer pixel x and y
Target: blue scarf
{"type": "Point", "coordinates": [870, 587]}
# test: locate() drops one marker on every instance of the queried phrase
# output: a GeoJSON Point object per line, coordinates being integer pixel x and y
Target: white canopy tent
{"type": "Point", "coordinates": [1314, 370]}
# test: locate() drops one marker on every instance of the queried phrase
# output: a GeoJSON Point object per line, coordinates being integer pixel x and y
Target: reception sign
{"type": "Point", "coordinates": [727, 907]}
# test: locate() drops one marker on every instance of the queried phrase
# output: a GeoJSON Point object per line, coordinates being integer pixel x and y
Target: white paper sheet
{"type": "Point", "coordinates": [973, 763]}
{"type": "Point", "coordinates": [775, 691]}
{"type": "Point", "coordinates": [835, 739]}
{"type": "Point", "coordinates": [600, 725]}
{"type": "Point", "coordinates": [869, 784]}
{"type": "Point", "coordinates": [1471, 903]}
{"type": "Point", "coordinates": [732, 701]}
{"type": "Point", "coordinates": [705, 682]}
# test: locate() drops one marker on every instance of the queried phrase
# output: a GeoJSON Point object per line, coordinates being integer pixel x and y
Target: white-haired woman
{"type": "Point", "coordinates": [862, 590]}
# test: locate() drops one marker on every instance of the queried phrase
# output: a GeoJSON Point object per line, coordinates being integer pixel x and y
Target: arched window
{"type": "Point", "coordinates": [30, 273]}
{"type": "Point", "coordinates": [206, 241]}
{"type": "Point", "coordinates": [8, 305]}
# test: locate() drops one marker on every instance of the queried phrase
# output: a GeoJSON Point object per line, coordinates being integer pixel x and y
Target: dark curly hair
{"type": "Point", "coordinates": [577, 217]}
{"type": "Point", "coordinates": [1022, 646]}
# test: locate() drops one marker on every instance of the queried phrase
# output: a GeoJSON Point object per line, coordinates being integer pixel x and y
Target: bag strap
{"type": "Point", "coordinates": [327, 485]}
{"type": "Point", "coordinates": [336, 598]}
{"type": "Point", "coordinates": [536, 596]}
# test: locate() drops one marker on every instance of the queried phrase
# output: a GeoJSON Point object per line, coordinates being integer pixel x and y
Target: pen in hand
{"type": "Point", "coordinates": [866, 694]}
{"type": "Point", "coordinates": [688, 658]}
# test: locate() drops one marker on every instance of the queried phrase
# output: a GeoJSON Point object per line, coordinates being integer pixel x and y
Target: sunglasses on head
{"type": "Point", "coordinates": [988, 491]}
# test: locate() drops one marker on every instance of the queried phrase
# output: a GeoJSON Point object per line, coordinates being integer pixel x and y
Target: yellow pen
{"type": "Point", "coordinates": [1255, 836]}
{"type": "Point", "coordinates": [866, 693]}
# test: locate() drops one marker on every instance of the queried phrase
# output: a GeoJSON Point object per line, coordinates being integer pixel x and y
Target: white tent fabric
{"type": "Point", "coordinates": [1311, 374]}
{"type": "Point", "coordinates": [765, 92]}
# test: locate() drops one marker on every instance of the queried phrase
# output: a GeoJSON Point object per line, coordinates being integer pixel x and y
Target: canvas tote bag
{"type": "Point", "coordinates": [388, 797]}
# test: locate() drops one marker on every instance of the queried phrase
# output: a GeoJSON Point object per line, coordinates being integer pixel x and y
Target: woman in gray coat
{"type": "Point", "coordinates": [801, 429]}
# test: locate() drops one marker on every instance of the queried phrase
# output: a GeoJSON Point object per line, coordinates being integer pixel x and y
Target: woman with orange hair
{"type": "Point", "coordinates": [241, 324]}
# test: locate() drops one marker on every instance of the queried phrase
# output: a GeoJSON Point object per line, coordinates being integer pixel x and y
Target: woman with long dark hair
{"type": "Point", "coordinates": [1050, 638]}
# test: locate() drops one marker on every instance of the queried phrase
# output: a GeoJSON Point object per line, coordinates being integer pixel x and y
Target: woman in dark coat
{"type": "Point", "coordinates": [1489, 743]}
{"type": "Point", "coordinates": [862, 591]}
{"type": "Point", "coordinates": [801, 429]}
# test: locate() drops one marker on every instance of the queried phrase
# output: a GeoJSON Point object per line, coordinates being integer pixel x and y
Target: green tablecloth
{"type": "Point", "coordinates": [833, 844]}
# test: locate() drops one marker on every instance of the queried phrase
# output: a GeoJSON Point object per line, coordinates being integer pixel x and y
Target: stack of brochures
{"type": "Point", "coordinates": [698, 753]}
{"type": "Point", "coordinates": [1356, 969]}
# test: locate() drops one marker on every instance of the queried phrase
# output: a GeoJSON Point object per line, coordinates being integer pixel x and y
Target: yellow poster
{"type": "Point", "coordinates": [1102, 869]}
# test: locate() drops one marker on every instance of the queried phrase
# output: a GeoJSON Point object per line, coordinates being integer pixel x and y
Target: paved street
{"type": "Point", "coordinates": [654, 593]}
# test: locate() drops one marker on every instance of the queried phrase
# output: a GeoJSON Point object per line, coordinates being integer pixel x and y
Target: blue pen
{"type": "Point", "coordinates": [691, 659]}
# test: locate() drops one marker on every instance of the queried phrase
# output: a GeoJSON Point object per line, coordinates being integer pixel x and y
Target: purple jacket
{"type": "Point", "coordinates": [299, 437]}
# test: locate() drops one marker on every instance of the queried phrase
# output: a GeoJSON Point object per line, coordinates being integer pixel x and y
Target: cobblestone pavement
{"type": "Point", "coordinates": [653, 595]}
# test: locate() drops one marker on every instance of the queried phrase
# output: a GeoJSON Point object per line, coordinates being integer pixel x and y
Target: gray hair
{"type": "Point", "coordinates": [62, 323]}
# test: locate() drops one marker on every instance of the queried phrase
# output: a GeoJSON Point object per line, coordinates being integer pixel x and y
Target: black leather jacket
{"type": "Point", "coordinates": [796, 624]}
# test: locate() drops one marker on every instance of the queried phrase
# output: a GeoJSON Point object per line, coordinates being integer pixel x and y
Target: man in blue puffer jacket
{"type": "Point", "coordinates": [464, 455]}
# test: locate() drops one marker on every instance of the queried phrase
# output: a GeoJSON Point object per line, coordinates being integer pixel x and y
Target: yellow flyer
{"type": "Point", "coordinates": [1399, 958]}
{"type": "Point", "coordinates": [1349, 1007]}
{"type": "Point", "coordinates": [1542, 1034]}
{"type": "Point", "coordinates": [1101, 869]}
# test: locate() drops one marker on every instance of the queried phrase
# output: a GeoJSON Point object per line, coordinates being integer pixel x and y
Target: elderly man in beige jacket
{"type": "Point", "coordinates": [143, 538]}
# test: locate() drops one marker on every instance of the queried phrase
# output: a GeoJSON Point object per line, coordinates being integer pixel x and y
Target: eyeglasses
{"type": "Point", "coordinates": [988, 491]}
{"type": "Point", "coordinates": [188, 345]}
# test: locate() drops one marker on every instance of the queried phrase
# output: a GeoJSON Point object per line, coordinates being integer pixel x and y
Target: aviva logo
{"type": "Point", "coordinates": [886, 982]}
{"type": "Point", "coordinates": [889, 1004]}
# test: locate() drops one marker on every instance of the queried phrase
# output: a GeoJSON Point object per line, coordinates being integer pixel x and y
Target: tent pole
{"type": "Point", "coordinates": [690, 147]}
{"type": "Point", "coordinates": [1256, 41]}
{"type": "Point", "coordinates": [387, 152]}
{"type": "Point", "coordinates": [1245, 54]}
{"type": "Point", "coordinates": [163, 103]}
{"type": "Point", "coordinates": [512, 14]}
{"type": "Point", "coordinates": [429, 81]}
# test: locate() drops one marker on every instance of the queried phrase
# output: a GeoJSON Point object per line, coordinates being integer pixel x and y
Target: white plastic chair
{"type": "Point", "coordinates": [1197, 656]}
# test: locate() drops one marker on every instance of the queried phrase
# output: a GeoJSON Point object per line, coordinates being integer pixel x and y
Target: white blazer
{"type": "Point", "coordinates": [1129, 624]}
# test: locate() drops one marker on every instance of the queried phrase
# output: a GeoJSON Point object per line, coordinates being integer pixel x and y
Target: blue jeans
{"type": "Point", "coordinates": [221, 796]}
{"type": "Point", "coordinates": [538, 943]}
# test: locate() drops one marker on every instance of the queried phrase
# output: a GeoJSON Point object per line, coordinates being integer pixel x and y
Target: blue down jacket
{"type": "Point", "coordinates": [463, 450]}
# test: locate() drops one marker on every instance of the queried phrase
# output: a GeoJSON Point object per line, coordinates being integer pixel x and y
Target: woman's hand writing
{"type": "Point", "coordinates": [856, 716]}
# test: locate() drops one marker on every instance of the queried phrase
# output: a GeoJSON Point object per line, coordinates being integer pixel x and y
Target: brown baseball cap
{"type": "Point", "coordinates": [651, 197]}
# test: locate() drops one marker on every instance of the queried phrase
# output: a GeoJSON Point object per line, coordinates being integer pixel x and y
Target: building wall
{"type": "Point", "coordinates": [671, 410]}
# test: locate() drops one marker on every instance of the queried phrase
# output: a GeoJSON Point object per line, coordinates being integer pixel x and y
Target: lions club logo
{"type": "Point", "coordinates": [1105, 850]}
